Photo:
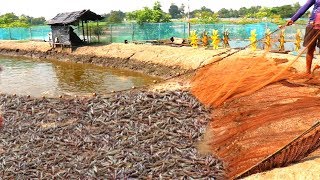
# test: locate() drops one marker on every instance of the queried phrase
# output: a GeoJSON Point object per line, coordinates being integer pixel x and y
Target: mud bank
{"type": "Point", "coordinates": [162, 61]}
{"type": "Point", "coordinates": [147, 68]}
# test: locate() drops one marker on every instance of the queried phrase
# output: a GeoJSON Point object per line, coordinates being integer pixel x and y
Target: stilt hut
{"type": "Point", "coordinates": [62, 31]}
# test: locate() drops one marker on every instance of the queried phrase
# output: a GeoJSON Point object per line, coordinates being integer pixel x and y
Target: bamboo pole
{"type": "Point", "coordinates": [84, 37]}
{"type": "Point", "coordinates": [98, 32]}
{"type": "Point", "coordinates": [87, 31]}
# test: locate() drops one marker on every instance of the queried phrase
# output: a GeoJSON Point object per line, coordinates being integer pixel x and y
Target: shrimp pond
{"type": "Point", "coordinates": [53, 78]}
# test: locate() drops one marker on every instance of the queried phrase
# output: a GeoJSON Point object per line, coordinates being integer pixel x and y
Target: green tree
{"type": "Point", "coordinates": [25, 19]}
{"type": "Point", "coordinates": [286, 11]}
{"type": "Point", "coordinates": [157, 6]}
{"type": "Point", "coordinates": [8, 18]}
{"type": "Point", "coordinates": [234, 13]}
{"type": "Point", "coordinates": [223, 13]}
{"type": "Point", "coordinates": [38, 21]}
{"type": "Point", "coordinates": [197, 11]}
{"type": "Point", "coordinates": [11, 20]}
{"type": "Point", "coordinates": [262, 13]}
{"type": "Point", "coordinates": [148, 15]}
{"type": "Point", "coordinates": [181, 9]}
{"type": "Point", "coordinates": [243, 11]}
{"type": "Point", "coordinates": [174, 11]}
{"type": "Point", "coordinates": [207, 17]}
{"type": "Point", "coordinates": [115, 17]}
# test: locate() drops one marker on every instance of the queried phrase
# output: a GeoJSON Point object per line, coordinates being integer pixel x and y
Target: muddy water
{"type": "Point", "coordinates": [53, 78]}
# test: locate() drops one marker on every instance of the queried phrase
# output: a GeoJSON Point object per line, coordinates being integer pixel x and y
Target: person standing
{"type": "Point", "coordinates": [312, 30]}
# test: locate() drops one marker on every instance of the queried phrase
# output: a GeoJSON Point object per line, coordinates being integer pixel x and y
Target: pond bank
{"type": "Point", "coordinates": [161, 61]}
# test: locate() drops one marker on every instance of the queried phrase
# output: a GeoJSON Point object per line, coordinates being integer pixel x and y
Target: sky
{"type": "Point", "coordinates": [49, 8]}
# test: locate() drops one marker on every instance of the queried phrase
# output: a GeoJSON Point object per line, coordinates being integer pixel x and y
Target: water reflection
{"type": "Point", "coordinates": [51, 78]}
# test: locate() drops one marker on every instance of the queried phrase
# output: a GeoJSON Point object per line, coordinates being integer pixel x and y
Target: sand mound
{"type": "Point", "coordinates": [25, 45]}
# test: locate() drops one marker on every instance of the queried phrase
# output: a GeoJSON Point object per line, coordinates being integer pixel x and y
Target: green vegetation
{"type": "Point", "coordinates": [244, 15]}
{"type": "Point", "coordinates": [285, 11]}
{"type": "Point", "coordinates": [115, 17]}
{"type": "Point", "coordinates": [12, 20]}
{"type": "Point", "coordinates": [205, 16]}
{"type": "Point", "coordinates": [154, 15]}
{"type": "Point", "coordinates": [176, 12]}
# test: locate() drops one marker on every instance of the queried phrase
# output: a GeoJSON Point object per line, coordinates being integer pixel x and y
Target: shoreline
{"type": "Point", "coordinates": [154, 60]}
{"type": "Point", "coordinates": [156, 70]}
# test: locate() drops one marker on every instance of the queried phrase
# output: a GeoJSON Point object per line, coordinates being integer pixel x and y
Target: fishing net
{"type": "Point", "coordinates": [258, 107]}
{"type": "Point", "coordinates": [234, 78]}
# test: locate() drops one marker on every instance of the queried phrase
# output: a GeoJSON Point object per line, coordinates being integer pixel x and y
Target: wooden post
{"type": "Point", "coordinates": [132, 37]}
{"type": "Point", "coordinates": [43, 35]}
{"type": "Point", "coordinates": [184, 30]}
{"type": "Point", "coordinates": [30, 33]}
{"type": "Point", "coordinates": [87, 31]}
{"type": "Point", "coordinates": [90, 32]}
{"type": "Point", "coordinates": [10, 33]}
{"type": "Point", "coordinates": [84, 37]}
{"type": "Point", "coordinates": [79, 28]}
{"type": "Point", "coordinates": [98, 31]}
{"type": "Point", "coordinates": [21, 37]}
{"type": "Point", "coordinates": [111, 32]}
{"type": "Point", "coordinates": [159, 35]}
{"type": "Point", "coordinates": [189, 29]}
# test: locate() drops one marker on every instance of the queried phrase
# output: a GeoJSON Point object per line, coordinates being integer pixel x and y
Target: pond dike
{"type": "Point", "coordinates": [155, 60]}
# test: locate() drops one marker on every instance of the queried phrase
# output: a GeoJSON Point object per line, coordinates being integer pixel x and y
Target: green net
{"type": "Point", "coordinates": [132, 32]}
{"type": "Point", "coordinates": [32, 33]}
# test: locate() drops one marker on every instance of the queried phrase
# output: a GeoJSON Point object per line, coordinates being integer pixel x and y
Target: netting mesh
{"type": "Point", "coordinates": [253, 116]}
{"type": "Point", "coordinates": [38, 33]}
{"type": "Point", "coordinates": [238, 34]}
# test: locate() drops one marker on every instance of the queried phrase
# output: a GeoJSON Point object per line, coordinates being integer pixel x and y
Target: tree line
{"type": "Point", "coordinates": [12, 20]}
{"type": "Point", "coordinates": [202, 15]}
{"type": "Point", "coordinates": [156, 14]}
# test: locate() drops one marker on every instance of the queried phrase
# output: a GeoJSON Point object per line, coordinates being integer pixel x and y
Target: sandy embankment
{"type": "Point", "coordinates": [164, 61]}
{"type": "Point", "coordinates": [178, 59]}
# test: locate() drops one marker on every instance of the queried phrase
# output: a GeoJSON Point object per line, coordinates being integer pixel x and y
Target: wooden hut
{"type": "Point", "coordinates": [62, 31]}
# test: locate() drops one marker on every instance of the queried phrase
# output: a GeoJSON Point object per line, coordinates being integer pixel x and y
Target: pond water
{"type": "Point", "coordinates": [53, 78]}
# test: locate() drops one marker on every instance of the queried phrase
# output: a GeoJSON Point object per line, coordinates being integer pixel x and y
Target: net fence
{"type": "Point", "coordinates": [132, 32]}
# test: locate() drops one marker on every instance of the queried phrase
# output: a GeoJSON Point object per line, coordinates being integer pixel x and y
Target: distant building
{"type": "Point", "coordinates": [62, 31]}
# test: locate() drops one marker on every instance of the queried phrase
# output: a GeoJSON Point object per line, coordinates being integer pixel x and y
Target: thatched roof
{"type": "Point", "coordinates": [72, 17]}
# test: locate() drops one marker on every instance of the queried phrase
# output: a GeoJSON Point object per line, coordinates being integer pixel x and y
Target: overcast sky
{"type": "Point", "coordinates": [49, 8]}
